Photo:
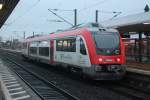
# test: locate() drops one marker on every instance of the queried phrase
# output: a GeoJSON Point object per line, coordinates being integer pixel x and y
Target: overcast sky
{"type": "Point", "coordinates": [33, 16]}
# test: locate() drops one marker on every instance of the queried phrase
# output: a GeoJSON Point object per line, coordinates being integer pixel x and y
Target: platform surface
{"type": "Point", "coordinates": [142, 68]}
{"type": "Point", "coordinates": [12, 87]}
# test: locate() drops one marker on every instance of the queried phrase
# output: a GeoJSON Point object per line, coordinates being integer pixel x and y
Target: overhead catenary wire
{"type": "Point", "coordinates": [21, 16]}
{"type": "Point", "coordinates": [60, 17]}
{"type": "Point", "coordinates": [26, 12]}
{"type": "Point", "coordinates": [93, 5]}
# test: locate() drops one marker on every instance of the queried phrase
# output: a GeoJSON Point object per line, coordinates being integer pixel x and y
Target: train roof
{"type": "Point", "coordinates": [72, 32]}
{"type": "Point", "coordinates": [79, 30]}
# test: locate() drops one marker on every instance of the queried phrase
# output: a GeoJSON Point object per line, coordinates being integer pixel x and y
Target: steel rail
{"type": "Point", "coordinates": [67, 95]}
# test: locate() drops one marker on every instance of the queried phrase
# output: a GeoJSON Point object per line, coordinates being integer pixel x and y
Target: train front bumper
{"type": "Point", "coordinates": [105, 72]}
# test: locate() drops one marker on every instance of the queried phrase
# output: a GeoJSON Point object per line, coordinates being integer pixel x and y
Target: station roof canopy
{"type": "Point", "coordinates": [6, 7]}
{"type": "Point", "coordinates": [133, 23]}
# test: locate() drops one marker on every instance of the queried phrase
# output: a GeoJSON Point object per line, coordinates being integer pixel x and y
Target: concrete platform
{"type": "Point", "coordinates": [12, 87]}
{"type": "Point", "coordinates": [140, 71]}
{"type": "Point", "coordinates": [141, 68]}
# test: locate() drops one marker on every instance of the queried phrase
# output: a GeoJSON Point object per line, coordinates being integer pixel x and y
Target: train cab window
{"type": "Point", "coordinates": [107, 43]}
{"type": "Point", "coordinates": [82, 47]}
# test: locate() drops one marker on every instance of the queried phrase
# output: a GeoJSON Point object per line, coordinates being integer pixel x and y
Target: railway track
{"type": "Point", "coordinates": [133, 86]}
{"type": "Point", "coordinates": [138, 83]}
{"type": "Point", "coordinates": [43, 88]}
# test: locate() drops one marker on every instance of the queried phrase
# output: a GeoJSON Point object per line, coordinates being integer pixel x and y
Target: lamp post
{"type": "Point", "coordinates": [1, 6]}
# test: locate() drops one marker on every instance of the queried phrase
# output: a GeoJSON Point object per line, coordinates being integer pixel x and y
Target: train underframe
{"type": "Point", "coordinates": [105, 72]}
{"type": "Point", "coordinates": [96, 72]}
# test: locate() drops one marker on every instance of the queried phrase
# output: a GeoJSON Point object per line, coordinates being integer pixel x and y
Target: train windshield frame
{"type": "Point", "coordinates": [107, 43]}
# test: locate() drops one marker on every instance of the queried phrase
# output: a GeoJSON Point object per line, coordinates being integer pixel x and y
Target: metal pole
{"type": "Point", "coordinates": [148, 46]}
{"type": "Point", "coordinates": [135, 55]}
{"type": "Point", "coordinates": [33, 34]}
{"type": "Point", "coordinates": [96, 16]}
{"type": "Point", "coordinates": [140, 46]}
{"type": "Point", "coordinates": [24, 35]}
{"type": "Point", "coordinates": [75, 17]}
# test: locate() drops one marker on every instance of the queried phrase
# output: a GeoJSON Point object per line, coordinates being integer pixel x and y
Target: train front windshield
{"type": "Point", "coordinates": [107, 43]}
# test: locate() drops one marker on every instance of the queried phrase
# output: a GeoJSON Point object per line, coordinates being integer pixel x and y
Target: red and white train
{"type": "Point", "coordinates": [93, 50]}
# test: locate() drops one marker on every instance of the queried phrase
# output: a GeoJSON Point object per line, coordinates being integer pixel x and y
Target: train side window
{"type": "Point", "coordinates": [44, 48]}
{"type": "Point", "coordinates": [59, 45]}
{"type": "Point", "coordinates": [33, 50]}
{"type": "Point", "coordinates": [82, 47]}
{"type": "Point", "coordinates": [66, 45]}
{"type": "Point", "coordinates": [44, 51]}
{"type": "Point", "coordinates": [71, 44]}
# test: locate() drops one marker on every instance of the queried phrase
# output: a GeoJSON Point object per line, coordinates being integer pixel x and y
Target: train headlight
{"type": "Point", "coordinates": [118, 59]}
{"type": "Point", "coordinates": [100, 59]}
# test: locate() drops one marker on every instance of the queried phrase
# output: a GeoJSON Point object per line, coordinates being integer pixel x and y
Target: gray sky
{"type": "Point", "coordinates": [33, 15]}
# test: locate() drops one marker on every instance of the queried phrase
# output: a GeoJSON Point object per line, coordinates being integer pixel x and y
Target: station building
{"type": "Point", "coordinates": [135, 30]}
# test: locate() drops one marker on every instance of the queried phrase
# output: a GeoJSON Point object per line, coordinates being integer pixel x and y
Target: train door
{"type": "Point", "coordinates": [51, 51]}
{"type": "Point", "coordinates": [65, 51]}
{"type": "Point", "coordinates": [83, 54]}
